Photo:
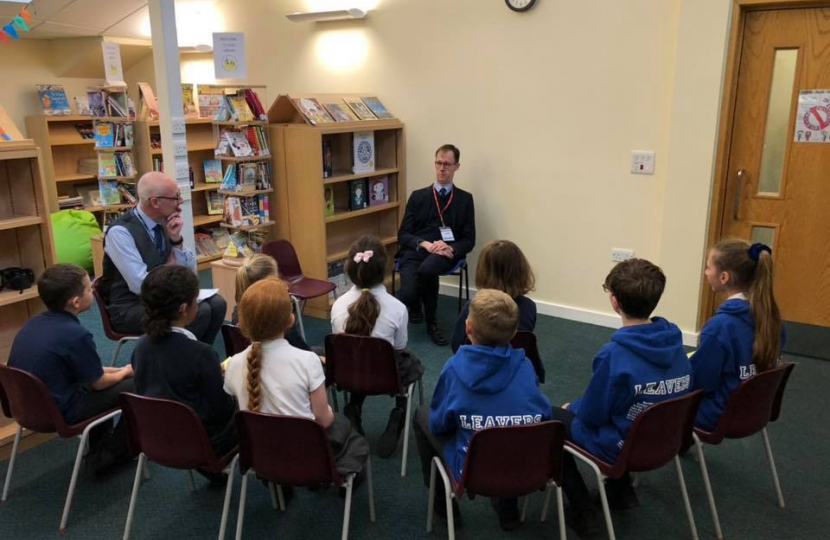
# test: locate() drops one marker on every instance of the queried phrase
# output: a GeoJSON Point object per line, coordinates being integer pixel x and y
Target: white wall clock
{"type": "Point", "coordinates": [520, 5]}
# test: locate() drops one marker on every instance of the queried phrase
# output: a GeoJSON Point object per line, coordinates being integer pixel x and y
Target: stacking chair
{"type": "Point", "coordinates": [753, 404]}
{"type": "Point", "coordinates": [655, 438]}
{"type": "Point", "coordinates": [291, 451]}
{"type": "Point", "coordinates": [367, 365]}
{"type": "Point", "coordinates": [505, 463]}
{"type": "Point", "coordinates": [460, 269]}
{"type": "Point", "coordinates": [233, 339]}
{"type": "Point", "coordinates": [301, 288]}
{"type": "Point", "coordinates": [25, 398]}
{"type": "Point", "coordinates": [105, 320]}
{"type": "Point", "coordinates": [172, 435]}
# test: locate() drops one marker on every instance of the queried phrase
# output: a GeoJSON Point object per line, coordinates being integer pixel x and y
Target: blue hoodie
{"type": "Point", "coordinates": [482, 387]}
{"type": "Point", "coordinates": [642, 365]}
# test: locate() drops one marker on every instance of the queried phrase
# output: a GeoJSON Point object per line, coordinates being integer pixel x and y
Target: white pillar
{"type": "Point", "coordinates": [171, 118]}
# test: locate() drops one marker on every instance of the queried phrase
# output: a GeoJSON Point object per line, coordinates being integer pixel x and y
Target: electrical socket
{"type": "Point", "coordinates": [180, 148]}
{"type": "Point", "coordinates": [621, 254]}
{"type": "Point", "coordinates": [178, 125]}
{"type": "Point", "coordinates": [183, 172]}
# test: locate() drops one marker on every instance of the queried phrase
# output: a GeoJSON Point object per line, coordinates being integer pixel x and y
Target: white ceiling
{"type": "Point", "coordinates": [73, 18]}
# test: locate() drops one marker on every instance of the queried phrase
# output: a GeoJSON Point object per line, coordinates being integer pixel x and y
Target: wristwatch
{"type": "Point", "coordinates": [177, 243]}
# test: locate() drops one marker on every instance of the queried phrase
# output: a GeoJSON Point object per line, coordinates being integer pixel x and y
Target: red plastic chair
{"type": "Point", "coordinates": [105, 320]}
{"type": "Point", "coordinates": [291, 451]}
{"type": "Point", "coordinates": [527, 341]}
{"type": "Point", "coordinates": [655, 438]}
{"type": "Point", "coordinates": [233, 339]}
{"type": "Point", "coordinates": [506, 462]}
{"type": "Point", "coordinates": [301, 288]}
{"type": "Point", "coordinates": [753, 404]}
{"type": "Point", "coordinates": [26, 399]}
{"type": "Point", "coordinates": [367, 365]}
{"type": "Point", "coordinates": [172, 435]}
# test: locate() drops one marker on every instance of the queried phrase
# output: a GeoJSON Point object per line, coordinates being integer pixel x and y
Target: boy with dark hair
{"type": "Point", "coordinates": [56, 348]}
{"type": "Point", "coordinates": [643, 364]}
{"type": "Point", "coordinates": [484, 385]}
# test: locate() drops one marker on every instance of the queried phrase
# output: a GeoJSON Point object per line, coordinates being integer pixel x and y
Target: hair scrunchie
{"type": "Point", "coordinates": [364, 256]}
{"type": "Point", "coordinates": [755, 250]}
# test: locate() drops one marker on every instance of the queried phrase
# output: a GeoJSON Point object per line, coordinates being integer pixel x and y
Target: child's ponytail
{"type": "Point", "coordinates": [366, 267]}
{"type": "Point", "coordinates": [363, 314]}
{"type": "Point", "coordinates": [765, 313]}
{"type": "Point", "coordinates": [254, 377]}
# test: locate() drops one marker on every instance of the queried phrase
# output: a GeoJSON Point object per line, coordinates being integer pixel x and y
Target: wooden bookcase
{"type": "Point", "coordinates": [26, 241]}
{"type": "Point", "coordinates": [297, 150]}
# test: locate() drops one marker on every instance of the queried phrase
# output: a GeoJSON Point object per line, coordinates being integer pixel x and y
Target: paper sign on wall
{"type": "Point", "coordinates": [229, 55]}
{"type": "Point", "coordinates": [812, 121]}
{"type": "Point", "coordinates": [113, 72]}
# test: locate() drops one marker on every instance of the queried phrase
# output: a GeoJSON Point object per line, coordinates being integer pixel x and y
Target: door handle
{"type": "Point", "coordinates": [737, 203]}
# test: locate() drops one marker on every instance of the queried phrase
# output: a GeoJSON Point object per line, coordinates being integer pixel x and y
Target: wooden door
{"type": "Point", "coordinates": [778, 185]}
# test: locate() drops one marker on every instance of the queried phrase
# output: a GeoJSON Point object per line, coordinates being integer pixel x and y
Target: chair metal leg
{"type": "Point", "coordinates": [709, 495]}
{"type": "Point", "coordinates": [638, 477]}
{"type": "Point", "coordinates": [273, 492]}
{"type": "Point", "coordinates": [560, 508]}
{"type": "Point", "coordinates": [524, 509]}
{"type": "Point", "coordinates": [460, 288]}
{"type": "Point", "coordinates": [601, 481]}
{"type": "Point", "coordinates": [371, 488]}
{"type": "Point", "coordinates": [192, 480]}
{"type": "Point", "coordinates": [242, 496]}
{"type": "Point", "coordinates": [421, 390]}
{"type": "Point", "coordinates": [347, 511]}
{"type": "Point", "coordinates": [146, 470]}
{"type": "Point", "coordinates": [118, 346]}
{"type": "Point", "coordinates": [545, 504]}
{"type": "Point", "coordinates": [430, 510]}
{"type": "Point", "coordinates": [299, 309]}
{"type": "Point", "coordinates": [142, 459]}
{"type": "Point", "coordinates": [280, 498]}
{"type": "Point", "coordinates": [448, 497]}
{"type": "Point", "coordinates": [772, 468]}
{"type": "Point", "coordinates": [12, 459]}
{"type": "Point", "coordinates": [226, 503]}
{"type": "Point", "coordinates": [685, 493]}
{"type": "Point", "coordinates": [406, 427]}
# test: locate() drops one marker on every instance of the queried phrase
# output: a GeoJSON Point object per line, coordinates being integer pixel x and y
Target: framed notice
{"type": "Point", "coordinates": [229, 55]}
{"type": "Point", "coordinates": [113, 72]}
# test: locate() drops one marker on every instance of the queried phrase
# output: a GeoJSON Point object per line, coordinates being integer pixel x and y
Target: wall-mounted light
{"type": "Point", "coordinates": [325, 16]}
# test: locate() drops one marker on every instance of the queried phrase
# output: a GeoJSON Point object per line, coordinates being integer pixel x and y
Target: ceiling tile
{"type": "Point", "coordinates": [50, 29]}
{"type": "Point", "coordinates": [42, 9]}
{"type": "Point", "coordinates": [97, 13]}
{"type": "Point", "coordinates": [131, 27]}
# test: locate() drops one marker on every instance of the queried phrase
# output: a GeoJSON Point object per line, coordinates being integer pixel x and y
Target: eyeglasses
{"type": "Point", "coordinates": [178, 197]}
{"type": "Point", "coordinates": [444, 165]}
{"type": "Point", "coordinates": [605, 288]}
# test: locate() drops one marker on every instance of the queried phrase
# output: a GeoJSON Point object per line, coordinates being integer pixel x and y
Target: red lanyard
{"type": "Point", "coordinates": [438, 207]}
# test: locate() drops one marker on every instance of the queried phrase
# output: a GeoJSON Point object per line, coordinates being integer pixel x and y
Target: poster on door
{"type": "Point", "coordinates": [812, 121]}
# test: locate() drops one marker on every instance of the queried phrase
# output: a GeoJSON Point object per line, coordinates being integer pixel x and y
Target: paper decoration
{"type": "Point", "coordinates": [20, 23]}
{"type": "Point", "coordinates": [27, 17]}
{"type": "Point", "coordinates": [3, 37]}
{"type": "Point", "coordinates": [9, 29]}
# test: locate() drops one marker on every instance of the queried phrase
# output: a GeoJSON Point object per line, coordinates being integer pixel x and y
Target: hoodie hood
{"type": "Point", "coordinates": [657, 343]}
{"type": "Point", "coordinates": [487, 370]}
{"type": "Point", "coordinates": [737, 308]}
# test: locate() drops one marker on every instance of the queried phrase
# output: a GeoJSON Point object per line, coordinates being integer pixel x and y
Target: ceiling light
{"type": "Point", "coordinates": [325, 16]}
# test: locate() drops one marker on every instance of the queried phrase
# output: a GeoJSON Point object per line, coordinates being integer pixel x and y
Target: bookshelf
{"type": "Point", "coordinates": [297, 148]}
{"type": "Point", "coordinates": [26, 241]}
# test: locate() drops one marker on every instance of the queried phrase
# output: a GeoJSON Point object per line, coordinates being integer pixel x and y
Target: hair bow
{"type": "Point", "coordinates": [755, 250]}
{"type": "Point", "coordinates": [364, 256]}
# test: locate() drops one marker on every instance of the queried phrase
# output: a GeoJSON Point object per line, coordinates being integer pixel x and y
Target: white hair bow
{"type": "Point", "coordinates": [364, 256]}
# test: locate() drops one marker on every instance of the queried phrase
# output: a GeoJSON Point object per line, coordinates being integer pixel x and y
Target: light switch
{"type": "Point", "coordinates": [642, 162]}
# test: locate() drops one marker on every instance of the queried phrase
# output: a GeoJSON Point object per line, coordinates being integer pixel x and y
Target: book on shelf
{"type": "Point", "coordinates": [327, 159]}
{"type": "Point", "coordinates": [210, 101]}
{"type": "Point", "coordinates": [109, 192]}
{"type": "Point", "coordinates": [328, 201]}
{"type": "Point", "coordinates": [248, 177]}
{"type": "Point", "coordinates": [378, 190]}
{"type": "Point", "coordinates": [229, 180]}
{"type": "Point", "coordinates": [336, 272]}
{"type": "Point", "coordinates": [53, 100]}
{"type": "Point", "coordinates": [340, 112]}
{"type": "Point", "coordinates": [149, 106]}
{"type": "Point", "coordinates": [85, 131]}
{"type": "Point", "coordinates": [130, 108]}
{"type": "Point", "coordinates": [107, 165]}
{"type": "Point", "coordinates": [155, 141]}
{"type": "Point", "coordinates": [124, 163]}
{"type": "Point", "coordinates": [377, 107]}
{"type": "Point", "coordinates": [128, 137]}
{"type": "Point", "coordinates": [65, 202]}
{"type": "Point", "coordinates": [233, 212]}
{"type": "Point", "coordinates": [359, 108]}
{"type": "Point", "coordinates": [238, 144]}
{"type": "Point", "coordinates": [82, 106]}
{"type": "Point", "coordinates": [158, 164]}
{"type": "Point", "coordinates": [90, 194]}
{"type": "Point", "coordinates": [220, 236]}
{"type": "Point", "coordinates": [312, 110]}
{"type": "Point", "coordinates": [127, 193]}
{"type": "Point", "coordinates": [257, 140]}
{"type": "Point", "coordinates": [358, 197]}
{"type": "Point", "coordinates": [239, 109]}
{"type": "Point", "coordinates": [242, 245]}
{"type": "Point", "coordinates": [97, 104]}
{"type": "Point", "coordinates": [117, 104]}
{"type": "Point", "coordinates": [215, 203]}
{"type": "Point", "coordinates": [213, 171]}
{"type": "Point", "coordinates": [188, 104]}
{"type": "Point", "coordinates": [255, 104]}
{"type": "Point", "coordinates": [363, 146]}
{"type": "Point", "coordinates": [104, 135]}
{"type": "Point", "coordinates": [88, 166]}
{"type": "Point", "coordinates": [4, 136]}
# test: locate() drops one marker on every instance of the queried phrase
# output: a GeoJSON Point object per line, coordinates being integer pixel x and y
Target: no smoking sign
{"type": "Point", "coordinates": [813, 118]}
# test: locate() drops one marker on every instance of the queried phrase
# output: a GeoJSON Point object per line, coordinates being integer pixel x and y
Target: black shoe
{"type": "Point", "coordinates": [621, 495]}
{"type": "Point", "coordinates": [416, 317]}
{"type": "Point", "coordinates": [508, 512]}
{"type": "Point", "coordinates": [215, 479]}
{"type": "Point", "coordinates": [440, 508]}
{"type": "Point", "coordinates": [388, 442]}
{"type": "Point", "coordinates": [436, 335]}
{"type": "Point", "coordinates": [105, 462]}
{"type": "Point", "coordinates": [352, 412]}
{"type": "Point", "coordinates": [585, 522]}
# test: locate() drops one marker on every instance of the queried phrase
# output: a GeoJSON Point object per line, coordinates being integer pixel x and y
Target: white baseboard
{"type": "Point", "coordinates": [570, 313]}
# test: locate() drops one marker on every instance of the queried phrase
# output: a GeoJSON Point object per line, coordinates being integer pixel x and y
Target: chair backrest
{"type": "Point", "coordinates": [287, 262]}
{"type": "Point", "coordinates": [101, 301]}
{"type": "Point", "coordinates": [361, 364]}
{"type": "Point", "coordinates": [168, 432]}
{"type": "Point", "coordinates": [234, 341]}
{"type": "Point", "coordinates": [657, 434]}
{"type": "Point", "coordinates": [511, 461]}
{"type": "Point", "coordinates": [527, 341]}
{"type": "Point", "coordinates": [779, 396]}
{"type": "Point", "coordinates": [285, 450]}
{"type": "Point", "coordinates": [29, 402]}
{"type": "Point", "coordinates": [752, 405]}
{"type": "Point", "coordinates": [459, 265]}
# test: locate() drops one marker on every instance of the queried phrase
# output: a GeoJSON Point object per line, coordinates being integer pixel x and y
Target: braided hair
{"type": "Point", "coordinates": [264, 314]}
{"type": "Point", "coordinates": [364, 313]}
{"type": "Point", "coordinates": [163, 292]}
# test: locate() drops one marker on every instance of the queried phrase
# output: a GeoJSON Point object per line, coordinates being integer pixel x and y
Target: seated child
{"type": "Point", "coordinates": [643, 364]}
{"type": "Point", "coordinates": [255, 268]}
{"type": "Point", "coordinates": [271, 376]}
{"type": "Point", "coordinates": [56, 348]}
{"type": "Point", "coordinates": [502, 266]}
{"type": "Point", "coordinates": [171, 364]}
{"type": "Point", "coordinates": [746, 335]}
{"type": "Point", "coordinates": [367, 309]}
{"type": "Point", "coordinates": [489, 380]}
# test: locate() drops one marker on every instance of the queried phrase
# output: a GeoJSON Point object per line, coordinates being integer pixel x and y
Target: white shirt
{"type": "Point", "coordinates": [392, 321]}
{"type": "Point", "coordinates": [737, 296]}
{"type": "Point", "coordinates": [287, 378]}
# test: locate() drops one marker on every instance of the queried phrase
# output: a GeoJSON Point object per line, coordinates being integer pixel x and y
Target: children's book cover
{"type": "Point", "coordinates": [213, 171]}
{"type": "Point", "coordinates": [312, 110]}
{"type": "Point", "coordinates": [106, 164]}
{"type": "Point", "coordinates": [215, 202]}
{"type": "Point", "coordinates": [363, 146]}
{"type": "Point", "coordinates": [378, 191]}
{"type": "Point", "coordinates": [53, 99]}
{"type": "Point", "coordinates": [328, 200]}
{"type": "Point", "coordinates": [96, 103]}
{"type": "Point", "coordinates": [109, 192]}
{"type": "Point", "coordinates": [104, 137]}
{"type": "Point", "coordinates": [360, 109]}
{"type": "Point", "coordinates": [377, 107]}
{"type": "Point", "coordinates": [358, 198]}
{"type": "Point", "coordinates": [340, 112]}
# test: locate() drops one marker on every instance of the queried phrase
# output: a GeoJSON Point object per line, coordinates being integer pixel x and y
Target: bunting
{"type": "Point", "coordinates": [19, 24]}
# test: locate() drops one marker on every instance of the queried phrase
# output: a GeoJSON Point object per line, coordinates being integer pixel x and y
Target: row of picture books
{"type": "Point", "coordinates": [104, 193]}
{"type": "Point", "coordinates": [363, 193]}
{"type": "Point", "coordinates": [211, 242]}
{"type": "Point", "coordinates": [109, 135]}
{"type": "Point", "coordinates": [115, 164]}
{"type": "Point", "coordinates": [54, 102]}
{"type": "Point", "coordinates": [243, 177]}
{"type": "Point", "coordinates": [247, 211]}
{"type": "Point", "coordinates": [363, 154]}
{"type": "Point", "coordinates": [243, 244]}
{"type": "Point", "coordinates": [249, 141]}
{"type": "Point", "coordinates": [209, 102]}
{"type": "Point", "coordinates": [347, 109]}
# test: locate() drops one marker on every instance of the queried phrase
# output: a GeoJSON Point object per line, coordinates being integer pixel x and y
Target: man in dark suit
{"type": "Point", "coordinates": [437, 230]}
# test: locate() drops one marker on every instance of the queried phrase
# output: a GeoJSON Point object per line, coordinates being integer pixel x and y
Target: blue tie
{"type": "Point", "coordinates": [442, 193]}
{"type": "Point", "coordinates": [158, 238]}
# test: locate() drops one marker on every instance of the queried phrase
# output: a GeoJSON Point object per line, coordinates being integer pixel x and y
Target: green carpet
{"type": "Point", "coordinates": [167, 508]}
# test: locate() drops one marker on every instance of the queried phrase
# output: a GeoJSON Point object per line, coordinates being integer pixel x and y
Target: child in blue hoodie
{"type": "Point", "coordinates": [745, 335]}
{"type": "Point", "coordinates": [643, 364]}
{"type": "Point", "coordinates": [485, 384]}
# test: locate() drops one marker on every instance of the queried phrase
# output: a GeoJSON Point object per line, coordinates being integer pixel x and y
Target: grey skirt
{"type": "Point", "coordinates": [350, 448]}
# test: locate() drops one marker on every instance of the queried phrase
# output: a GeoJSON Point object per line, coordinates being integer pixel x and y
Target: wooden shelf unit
{"type": "Point", "coordinates": [26, 241]}
{"type": "Point", "coordinates": [296, 146]}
